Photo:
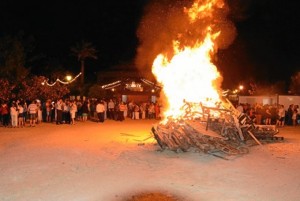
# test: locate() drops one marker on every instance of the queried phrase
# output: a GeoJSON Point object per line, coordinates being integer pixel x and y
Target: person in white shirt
{"type": "Point", "coordinates": [111, 108]}
{"type": "Point", "coordinates": [32, 111]}
{"type": "Point", "coordinates": [59, 111]}
{"type": "Point", "coordinates": [14, 115]}
{"type": "Point", "coordinates": [73, 110]}
{"type": "Point", "coordinates": [100, 111]}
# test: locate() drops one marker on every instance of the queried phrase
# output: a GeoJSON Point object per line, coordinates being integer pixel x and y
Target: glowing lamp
{"type": "Point", "coordinates": [68, 78]}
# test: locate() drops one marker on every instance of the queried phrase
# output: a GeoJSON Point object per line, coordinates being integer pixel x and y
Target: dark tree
{"type": "Point", "coordinates": [12, 59]}
{"type": "Point", "coordinates": [83, 51]}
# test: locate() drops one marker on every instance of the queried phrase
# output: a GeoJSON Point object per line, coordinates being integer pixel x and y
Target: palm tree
{"type": "Point", "coordinates": [84, 50]}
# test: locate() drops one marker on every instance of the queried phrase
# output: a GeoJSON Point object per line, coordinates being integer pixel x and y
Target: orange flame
{"type": "Point", "coordinates": [200, 10]}
{"type": "Point", "coordinates": [189, 75]}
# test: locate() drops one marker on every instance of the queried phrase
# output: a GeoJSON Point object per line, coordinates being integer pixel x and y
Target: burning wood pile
{"type": "Point", "coordinates": [221, 129]}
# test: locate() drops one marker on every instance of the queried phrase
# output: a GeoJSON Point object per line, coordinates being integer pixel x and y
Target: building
{"type": "Point", "coordinates": [133, 89]}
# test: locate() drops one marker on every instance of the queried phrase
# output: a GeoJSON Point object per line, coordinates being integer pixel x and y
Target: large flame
{"type": "Point", "coordinates": [189, 75]}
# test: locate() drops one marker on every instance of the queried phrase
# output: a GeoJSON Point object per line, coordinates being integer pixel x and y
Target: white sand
{"type": "Point", "coordinates": [111, 161]}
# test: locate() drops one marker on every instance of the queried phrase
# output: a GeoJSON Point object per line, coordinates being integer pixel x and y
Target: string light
{"type": "Point", "coordinates": [111, 85]}
{"type": "Point", "coordinates": [60, 81]}
{"type": "Point", "coordinates": [131, 85]}
{"type": "Point", "coordinates": [150, 83]}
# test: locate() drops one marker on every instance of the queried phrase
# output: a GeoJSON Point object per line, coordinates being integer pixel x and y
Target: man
{"type": "Point", "coordinates": [100, 111]}
{"type": "Point", "coordinates": [59, 111]}
{"type": "Point", "coordinates": [111, 108]}
{"type": "Point", "coordinates": [122, 108]}
{"type": "Point", "coordinates": [4, 110]}
{"type": "Point", "coordinates": [32, 112]}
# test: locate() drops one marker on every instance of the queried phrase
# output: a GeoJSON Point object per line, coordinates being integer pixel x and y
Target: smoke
{"type": "Point", "coordinates": [165, 21]}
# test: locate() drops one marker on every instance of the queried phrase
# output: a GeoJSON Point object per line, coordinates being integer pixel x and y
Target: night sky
{"type": "Point", "coordinates": [264, 49]}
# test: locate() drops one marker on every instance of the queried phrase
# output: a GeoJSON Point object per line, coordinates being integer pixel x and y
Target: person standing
{"type": "Point", "coordinates": [136, 111]}
{"type": "Point", "coordinates": [294, 115]}
{"type": "Point", "coordinates": [32, 112]}
{"type": "Point", "coordinates": [100, 111]}
{"type": "Point", "coordinates": [39, 112]}
{"type": "Point", "coordinates": [59, 111]}
{"type": "Point", "coordinates": [73, 110]}
{"type": "Point", "coordinates": [281, 116]}
{"type": "Point", "coordinates": [258, 113]}
{"type": "Point", "coordinates": [21, 122]}
{"type": "Point", "coordinates": [130, 107]}
{"type": "Point", "coordinates": [66, 112]}
{"type": "Point", "coordinates": [122, 108]}
{"type": "Point", "coordinates": [268, 115]}
{"type": "Point", "coordinates": [143, 110]}
{"type": "Point", "coordinates": [79, 110]}
{"type": "Point", "coordinates": [151, 111]}
{"type": "Point", "coordinates": [5, 114]}
{"type": "Point", "coordinates": [105, 108]}
{"type": "Point", "coordinates": [14, 115]}
{"type": "Point", "coordinates": [289, 114]}
{"type": "Point", "coordinates": [111, 108]}
{"type": "Point", "coordinates": [116, 111]}
{"type": "Point", "coordinates": [85, 111]}
{"type": "Point", "coordinates": [48, 110]}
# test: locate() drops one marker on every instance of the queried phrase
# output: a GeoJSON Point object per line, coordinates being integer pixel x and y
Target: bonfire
{"type": "Point", "coordinates": [195, 114]}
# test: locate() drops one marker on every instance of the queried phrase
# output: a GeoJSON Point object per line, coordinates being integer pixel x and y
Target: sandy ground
{"type": "Point", "coordinates": [115, 161]}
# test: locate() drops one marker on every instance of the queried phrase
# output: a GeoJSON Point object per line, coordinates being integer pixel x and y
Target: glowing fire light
{"type": "Point", "coordinates": [189, 75]}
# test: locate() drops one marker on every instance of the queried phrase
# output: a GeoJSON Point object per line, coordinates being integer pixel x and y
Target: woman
{"type": "Point", "coordinates": [73, 110]}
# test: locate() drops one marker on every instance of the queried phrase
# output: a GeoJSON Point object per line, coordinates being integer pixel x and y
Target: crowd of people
{"type": "Point", "coordinates": [272, 114]}
{"type": "Point", "coordinates": [20, 113]}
